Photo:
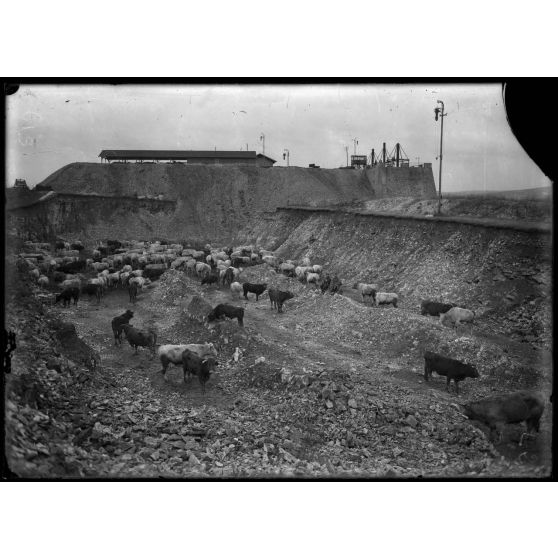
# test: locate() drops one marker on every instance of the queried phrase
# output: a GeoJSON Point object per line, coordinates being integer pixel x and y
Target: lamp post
{"type": "Point", "coordinates": [286, 153]}
{"type": "Point", "coordinates": [440, 112]}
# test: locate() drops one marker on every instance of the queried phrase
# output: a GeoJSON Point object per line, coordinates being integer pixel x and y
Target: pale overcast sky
{"type": "Point", "coordinates": [51, 126]}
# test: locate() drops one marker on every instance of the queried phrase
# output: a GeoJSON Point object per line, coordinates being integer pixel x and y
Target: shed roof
{"type": "Point", "coordinates": [174, 155]}
{"type": "Point", "coordinates": [265, 157]}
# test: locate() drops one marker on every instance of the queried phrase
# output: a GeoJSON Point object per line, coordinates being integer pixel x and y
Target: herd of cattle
{"type": "Point", "coordinates": [133, 265]}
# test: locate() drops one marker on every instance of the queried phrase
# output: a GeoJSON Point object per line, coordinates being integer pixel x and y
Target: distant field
{"type": "Point", "coordinates": [543, 193]}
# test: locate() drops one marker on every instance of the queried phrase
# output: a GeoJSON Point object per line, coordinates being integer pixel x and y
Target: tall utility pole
{"type": "Point", "coordinates": [262, 139]}
{"type": "Point", "coordinates": [355, 143]}
{"type": "Point", "coordinates": [440, 112]}
{"type": "Point", "coordinates": [286, 153]}
{"type": "Point", "coordinates": [347, 153]}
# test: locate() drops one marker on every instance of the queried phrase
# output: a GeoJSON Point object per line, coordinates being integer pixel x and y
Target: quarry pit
{"type": "Point", "coordinates": [332, 387]}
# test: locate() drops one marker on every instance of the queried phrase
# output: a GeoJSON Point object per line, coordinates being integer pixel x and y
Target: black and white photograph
{"type": "Point", "coordinates": [274, 281]}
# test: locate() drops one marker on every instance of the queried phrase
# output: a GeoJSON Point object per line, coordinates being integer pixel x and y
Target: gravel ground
{"type": "Point", "coordinates": [331, 387]}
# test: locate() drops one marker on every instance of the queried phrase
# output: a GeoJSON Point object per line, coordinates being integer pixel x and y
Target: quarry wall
{"type": "Point", "coordinates": [86, 216]}
{"type": "Point", "coordinates": [208, 202]}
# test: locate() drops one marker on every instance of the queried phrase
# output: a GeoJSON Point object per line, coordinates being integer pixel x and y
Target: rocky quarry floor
{"type": "Point", "coordinates": [330, 388]}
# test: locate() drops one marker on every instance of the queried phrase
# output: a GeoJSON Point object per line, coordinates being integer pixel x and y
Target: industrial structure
{"type": "Point", "coordinates": [186, 157]}
{"type": "Point", "coordinates": [395, 158]}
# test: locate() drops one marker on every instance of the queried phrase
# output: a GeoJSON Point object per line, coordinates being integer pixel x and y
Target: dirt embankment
{"type": "Point", "coordinates": [503, 275]}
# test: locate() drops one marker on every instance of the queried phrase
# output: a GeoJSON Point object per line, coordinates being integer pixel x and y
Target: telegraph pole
{"type": "Point", "coordinates": [440, 112]}
{"type": "Point", "coordinates": [262, 139]}
{"type": "Point", "coordinates": [347, 153]}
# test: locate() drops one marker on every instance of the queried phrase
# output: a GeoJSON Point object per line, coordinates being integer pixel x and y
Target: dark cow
{"type": "Point", "coordinates": [210, 279]}
{"type": "Point", "coordinates": [326, 282]}
{"type": "Point", "coordinates": [153, 271]}
{"type": "Point", "coordinates": [277, 298]}
{"type": "Point", "coordinates": [58, 276]}
{"type": "Point", "coordinates": [73, 267]}
{"type": "Point", "coordinates": [117, 324]}
{"type": "Point", "coordinates": [229, 311]}
{"type": "Point", "coordinates": [66, 295]}
{"type": "Point", "coordinates": [133, 292]}
{"type": "Point", "coordinates": [255, 288]}
{"type": "Point", "coordinates": [335, 286]}
{"type": "Point", "coordinates": [138, 338]}
{"type": "Point", "coordinates": [449, 367]}
{"type": "Point", "coordinates": [229, 276]}
{"type": "Point", "coordinates": [92, 289]}
{"type": "Point", "coordinates": [433, 308]}
{"type": "Point", "coordinates": [199, 366]}
{"type": "Point", "coordinates": [513, 408]}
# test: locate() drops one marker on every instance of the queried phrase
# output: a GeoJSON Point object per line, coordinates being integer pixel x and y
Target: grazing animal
{"type": "Point", "coordinates": [336, 285]}
{"type": "Point", "coordinates": [325, 283]}
{"type": "Point", "coordinates": [133, 292]}
{"type": "Point", "coordinates": [58, 276]}
{"type": "Point", "coordinates": [172, 354]}
{"type": "Point", "coordinates": [73, 267]}
{"type": "Point", "coordinates": [366, 290]}
{"type": "Point", "coordinates": [456, 315]}
{"type": "Point", "coordinates": [71, 282]}
{"type": "Point", "coordinates": [449, 367]}
{"type": "Point", "coordinates": [117, 324]}
{"type": "Point", "coordinates": [513, 408]}
{"type": "Point", "coordinates": [433, 308]}
{"type": "Point", "coordinates": [138, 338]}
{"type": "Point", "coordinates": [153, 271]}
{"type": "Point", "coordinates": [211, 279]}
{"type": "Point", "coordinates": [313, 278]}
{"type": "Point", "coordinates": [229, 276]}
{"type": "Point", "coordinates": [66, 295]}
{"type": "Point", "coordinates": [386, 298]}
{"type": "Point", "coordinates": [287, 269]}
{"type": "Point", "coordinates": [98, 281]}
{"type": "Point", "coordinates": [236, 289]}
{"type": "Point", "coordinates": [92, 289]}
{"type": "Point", "coordinates": [277, 298]}
{"type": "Point", "coordinates": [300, 272]}
{"type": "Point", "coordinates": [199, 366]}
{"type": "Point", "coordinates": [255, 288]}
{"type": "Point", "coordinates": [229, 311]}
